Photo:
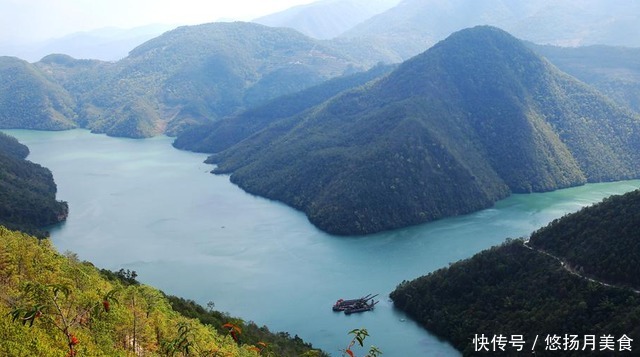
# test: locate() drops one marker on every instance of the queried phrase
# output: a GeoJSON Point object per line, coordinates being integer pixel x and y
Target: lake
{"type": "Point", "coordinates": [145, 206]}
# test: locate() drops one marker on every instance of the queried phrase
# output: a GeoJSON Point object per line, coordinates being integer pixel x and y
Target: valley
{"type": "Point", "coordinates": [245, 252]}
{"type": "Point", "coordinates": [459, 160]}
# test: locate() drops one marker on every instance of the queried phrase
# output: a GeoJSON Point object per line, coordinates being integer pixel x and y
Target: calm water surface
{"type": "Point", "coordinates": [144, 206]}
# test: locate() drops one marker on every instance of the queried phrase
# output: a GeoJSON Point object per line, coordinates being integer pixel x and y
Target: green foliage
{"type": "Point", "coordinates": [27, 191]}
{"type": "Point", "coordinates": [513, 290]}
{"type": "Point", "coordinates": [30, 99]}
{"type": "Point", "coordinates": [602, 241]}
{"type": "Point", "coordinates": [279, 343]}
{"type": "Point", "coordinates": [11, 147]}
{"type": "Point", "coordinates": [125, 277]}
{"type": "Point", "coordinates": [54, 305]}
{"type": "Point", "coordinates": [615, 71]}
{"type": "Point", "coordinates": [191, 75]}
{"type": "Point", "coordinates": [359, 335]}
{"type": "Point", "coordinates": [448, 132]}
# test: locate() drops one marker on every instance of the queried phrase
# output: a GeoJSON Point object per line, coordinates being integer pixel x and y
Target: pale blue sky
{"type": "Point", "coordinates": [29, 20]}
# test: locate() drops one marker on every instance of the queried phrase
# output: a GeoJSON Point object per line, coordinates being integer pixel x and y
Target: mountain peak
{"type": "Point", "coordinates": [449, 132]}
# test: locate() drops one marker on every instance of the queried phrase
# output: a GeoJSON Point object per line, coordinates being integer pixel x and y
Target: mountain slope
{"type": "Point", "coordinates": [601, 241]}
{"type": "Point", "coordinates": [326, 19]}
{"type": "Point", "coordinates": [31, 100]}
{"type": "Point", "coordinates": [222, 134]}
{"type": "Point", "coordinates": [414, 25]}
{"type": "Point", "coordinates": [194, 74]}
{"type": "Point", "coordinates": [27, 191]}
{"type": "Point", "coordinates": [513, 289]}
{"type": "Point", "coordinates": [615, 71]}
{"type": "Point", "coordinates": [450, 131]}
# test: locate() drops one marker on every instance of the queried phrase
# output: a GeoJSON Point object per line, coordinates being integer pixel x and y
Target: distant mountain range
{"type": "Point", "coordinates": [200, 74]}
{"type": "Point", "coordinates": [327, 19]}
{"type": "Point", "coordinates": [413, 25]}
{"type": "Point", "coordinates": [448, 132]}
{"type": "Point", "coordinates": [578, 274]}
{"type": "Point", "coordinates": [106, 44]}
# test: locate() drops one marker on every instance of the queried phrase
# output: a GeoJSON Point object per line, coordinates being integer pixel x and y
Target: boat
{"type": "Point", "coordinates": [361, 307]}
{"type": "Point", "coordinates": [355, 305]}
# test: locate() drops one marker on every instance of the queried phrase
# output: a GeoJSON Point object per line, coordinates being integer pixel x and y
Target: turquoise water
{"type": "Point", "coordinates": [144, 206]}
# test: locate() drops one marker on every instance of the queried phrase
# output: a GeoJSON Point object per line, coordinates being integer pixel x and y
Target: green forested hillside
{"type": "Point", "coordinates": [514, 289]}
{"type": "Point", "coordinates": [450, 131]}
{"type": "Point", "coordinates": [602, 241]}
{"type": "Point", "coordinates": [54, 305]}
{"type": "Point", "coordinates": [29, 99]}
{"type": "Point", "coordinates": [27, 191]}
{"type": "Point", "coordinates": [222, 134]}
{"type": "Point", "coordinates": [511, 290]}
{"type": "Point", "coordinates": [190, 75]}
{"type": "Point", "coordinates": [194, 74]}
{"type": "Point", "coordinates": [615, 71]}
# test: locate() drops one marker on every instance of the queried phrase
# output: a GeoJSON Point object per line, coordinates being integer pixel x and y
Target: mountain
{"type": "Point", "coordinates": [29, 99]}
{"type": "Point", "coordinates": [106, 44]}
{"type": "Point", "coordinates": [414, 25]}
{"type": "Point", "coordinates": [193, 74]}
{"type": "Point", "coordinates": [540, 289]}
{"type": "Point", "coordinates": [599, 241]}
{"type": "Point", "coordinates": [222, 134]}
{"type": "Point", "coordinates": [27, 191]}
{"type": "Point", "coordinates": [615, 71]}
{"type": "Point", "coordinates": [56, 305]}
{"type": "Point", "coordinates": [326, 19]}
{"type": "Point", "coordinates": [448, 132]}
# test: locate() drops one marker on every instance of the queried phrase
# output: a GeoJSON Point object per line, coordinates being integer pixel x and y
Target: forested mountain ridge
{"type": "Point", "coordinates": [601, 241]}
{"type": "Point", "coordinates": [615, 71]}
{"type": "Point", "coordinates": [31, 100]}
{"type": "Point", "coordinates": [450, 131]}
{"type": "Point", "coordinates": [205, 72]}
{"type": "Point", "coordinates": [27, 191]}
{"type": "Point", "coordinates": [190, 75]}
{"type": "Point", "coordinates": [512, 289]}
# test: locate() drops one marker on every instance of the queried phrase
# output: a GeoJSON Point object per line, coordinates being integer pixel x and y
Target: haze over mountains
{"type": "Point", "coordinates": [106, 44]}
{"type": "Point", "coordinates": [327, 19]}
{"type": "Point", "coordinates": [414, 25]}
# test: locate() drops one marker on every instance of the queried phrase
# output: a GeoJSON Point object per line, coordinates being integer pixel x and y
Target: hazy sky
{"type": "Point", "coordinates": [42, 19]}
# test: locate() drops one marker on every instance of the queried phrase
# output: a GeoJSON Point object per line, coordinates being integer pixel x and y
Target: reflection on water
{"type": "Point", "coordinates": [144, 206]}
